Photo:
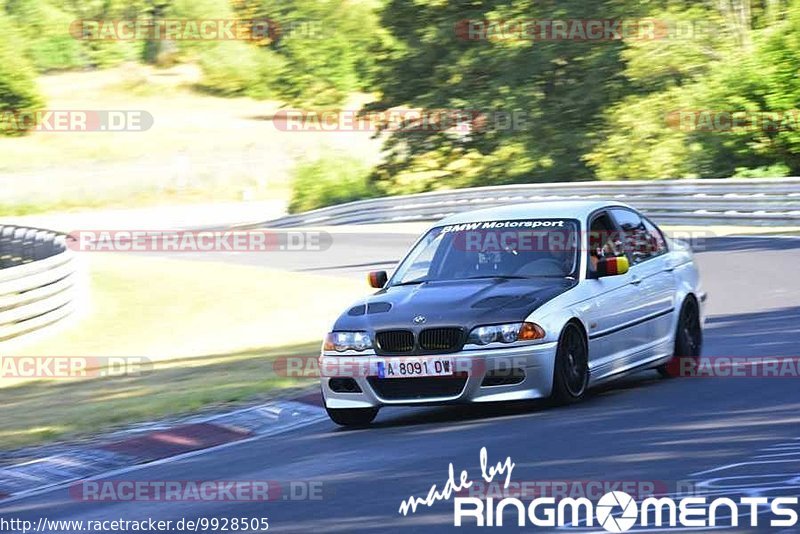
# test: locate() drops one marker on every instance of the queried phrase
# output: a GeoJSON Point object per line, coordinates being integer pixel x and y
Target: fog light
{"type": "Point", "coordinates": [343, 385]}
{"type": "Point", "coordinates": [503, 377]}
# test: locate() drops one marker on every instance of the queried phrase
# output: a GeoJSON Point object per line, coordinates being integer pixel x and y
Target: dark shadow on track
{"type": "Point", "coordinates": [498, 410]}
{"type": "Point", "coordinates": [767, 333]}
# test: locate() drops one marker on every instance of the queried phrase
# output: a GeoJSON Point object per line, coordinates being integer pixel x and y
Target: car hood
{"type": "Point", "coordinates": [463, 303]}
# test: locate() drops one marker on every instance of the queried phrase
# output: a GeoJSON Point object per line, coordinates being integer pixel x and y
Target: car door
{"type": "Point", "coordinates": [651, 273]}
{"type": "Point", "coordinates": [615, 305]}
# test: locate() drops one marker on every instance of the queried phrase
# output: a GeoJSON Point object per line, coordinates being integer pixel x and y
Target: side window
{"type": "Point", "coordinates": [658, 242]}
{"type": "Point", "coordinates": [603, 240]}
{"type": "Point", "coordinates": [640, 242]}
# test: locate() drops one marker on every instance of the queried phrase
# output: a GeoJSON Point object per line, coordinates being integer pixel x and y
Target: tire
{"type": "Point", "coordinates": [571, 373]}
{"type": "Point", "coordinates": [352, 416]}
{"type": "Point", "coordinates": [688, 340]}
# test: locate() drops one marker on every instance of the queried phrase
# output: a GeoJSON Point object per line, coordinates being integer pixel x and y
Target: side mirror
{"type": "Point", "coordinates": [377, 279]}
{"type": "Point", "coordinates": [612, 266]}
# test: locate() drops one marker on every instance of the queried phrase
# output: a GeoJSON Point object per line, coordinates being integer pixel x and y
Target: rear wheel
{"type": "Point", "coordinates": [688, 341]}
{"type": "Point", "coordinates": [571, 377]}
{"type": "Point", "coordinates": [352, 416]}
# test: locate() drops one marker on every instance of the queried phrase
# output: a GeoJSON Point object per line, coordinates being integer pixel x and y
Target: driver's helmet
{"type": "Point", "coordinates": [561, 244]}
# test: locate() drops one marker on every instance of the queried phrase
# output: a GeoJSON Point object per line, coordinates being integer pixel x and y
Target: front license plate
{"type": "Point", "coordinates": [415, 367]}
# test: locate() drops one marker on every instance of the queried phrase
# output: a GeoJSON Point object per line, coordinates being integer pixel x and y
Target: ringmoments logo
{"type": "Point", "coordinates": [614, 511]}
{"type": "Point", "coordinates": [618, 511]}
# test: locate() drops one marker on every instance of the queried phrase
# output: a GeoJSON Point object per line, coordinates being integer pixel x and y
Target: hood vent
{"type": "Point", "coordinates": [355, 311]}
{"type": "Point", "coordinates": [506, 301]}
{"type": "Point", "coordinates": [378, 307]}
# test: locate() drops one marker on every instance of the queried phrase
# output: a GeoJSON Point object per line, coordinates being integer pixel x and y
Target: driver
{"type": "Point", "coordinates": [561, 246]}
{"type": "Point", "coordinates": [601, 245]}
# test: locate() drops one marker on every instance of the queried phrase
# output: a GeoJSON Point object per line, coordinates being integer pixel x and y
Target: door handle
{"type": "Point", "coordinates": [635, 280]}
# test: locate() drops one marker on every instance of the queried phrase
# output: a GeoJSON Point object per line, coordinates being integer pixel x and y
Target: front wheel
{"type": "Point", "coordinates": [352, 416]}
{"type": "Point", "coordinates": [688, 342]}
{"type": "Point", "coordinates": [571, 377]}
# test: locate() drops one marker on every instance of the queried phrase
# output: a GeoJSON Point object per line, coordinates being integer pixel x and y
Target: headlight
{"type": "Point", "coordinates": [343, 341]}
{"type": "Point", "coordinates": [505, 333]}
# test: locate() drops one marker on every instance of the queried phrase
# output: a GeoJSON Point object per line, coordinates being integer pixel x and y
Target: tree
{"type": "Point", "coordinates": [560, 86]}
{"type": "Point", "coordinates": [18, 91]}
{"type": "Point", "coordinates": [743, 63]}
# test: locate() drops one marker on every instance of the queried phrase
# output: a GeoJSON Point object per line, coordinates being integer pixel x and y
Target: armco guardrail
{"type": "Point", "coordinates": [38, 280]}
{"type": "Point", "coordinates": [730, 201]}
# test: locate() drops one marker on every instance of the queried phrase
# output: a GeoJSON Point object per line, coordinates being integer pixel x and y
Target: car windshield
{"type": "Point", "coordinates": [530, 248]}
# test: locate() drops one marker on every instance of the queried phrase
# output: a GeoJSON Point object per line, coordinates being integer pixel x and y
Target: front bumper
{"type": "Point", "coordinates": [536, 360]}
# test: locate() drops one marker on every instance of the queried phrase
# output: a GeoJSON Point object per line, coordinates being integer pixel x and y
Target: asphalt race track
{"type": "Point", "coordinates": [746, 431]}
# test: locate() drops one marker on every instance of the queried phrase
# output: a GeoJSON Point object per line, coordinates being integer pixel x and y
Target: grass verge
{"type": "Point", "coordinates": [36, 412]}
{"type": "Point", "coordinates": [211, 330]}
{"type": "Point", "coordinates": [164, 309]}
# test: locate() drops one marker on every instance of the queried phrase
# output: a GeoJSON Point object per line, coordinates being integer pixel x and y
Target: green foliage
{"type": "Point", "coordinates": [639, 144]}
{"type": "Point", "coordinates": [330, 180]}
{"type": "Point", "coordinates": [234, 68]}
{"type": "Point", "coordinates": [559, 86]}
{"type": "Point", "coordinates": [196, 50]}
{"type": "Point", "coordinates": [48, 45]}
{"type": "Point", "coordinates": [695, 38]}
{"type": "Point", "coordinates": [598, 109]}
{"type": "Point", "coordinates": [323, 51]}
{"type": "Point", "coordinates": [45, 25]}
{"type": "Point", "coordinates": [750, 70]}
{"type": "Point", "coordinates": [330, 46]}
{"type": "Point", "coordinates": [18, 91]}
{"type": "Point", "coordinates": [591, 109]}
{"type": "Point", "coordinates": [778, 170]}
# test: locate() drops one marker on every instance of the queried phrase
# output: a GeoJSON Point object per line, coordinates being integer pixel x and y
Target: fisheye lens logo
{"type": "Point", "coordinates": [608, 508]}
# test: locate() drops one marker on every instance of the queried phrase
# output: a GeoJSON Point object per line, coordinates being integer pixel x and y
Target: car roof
{"type": "Point", "coordinates": [552, 209]}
